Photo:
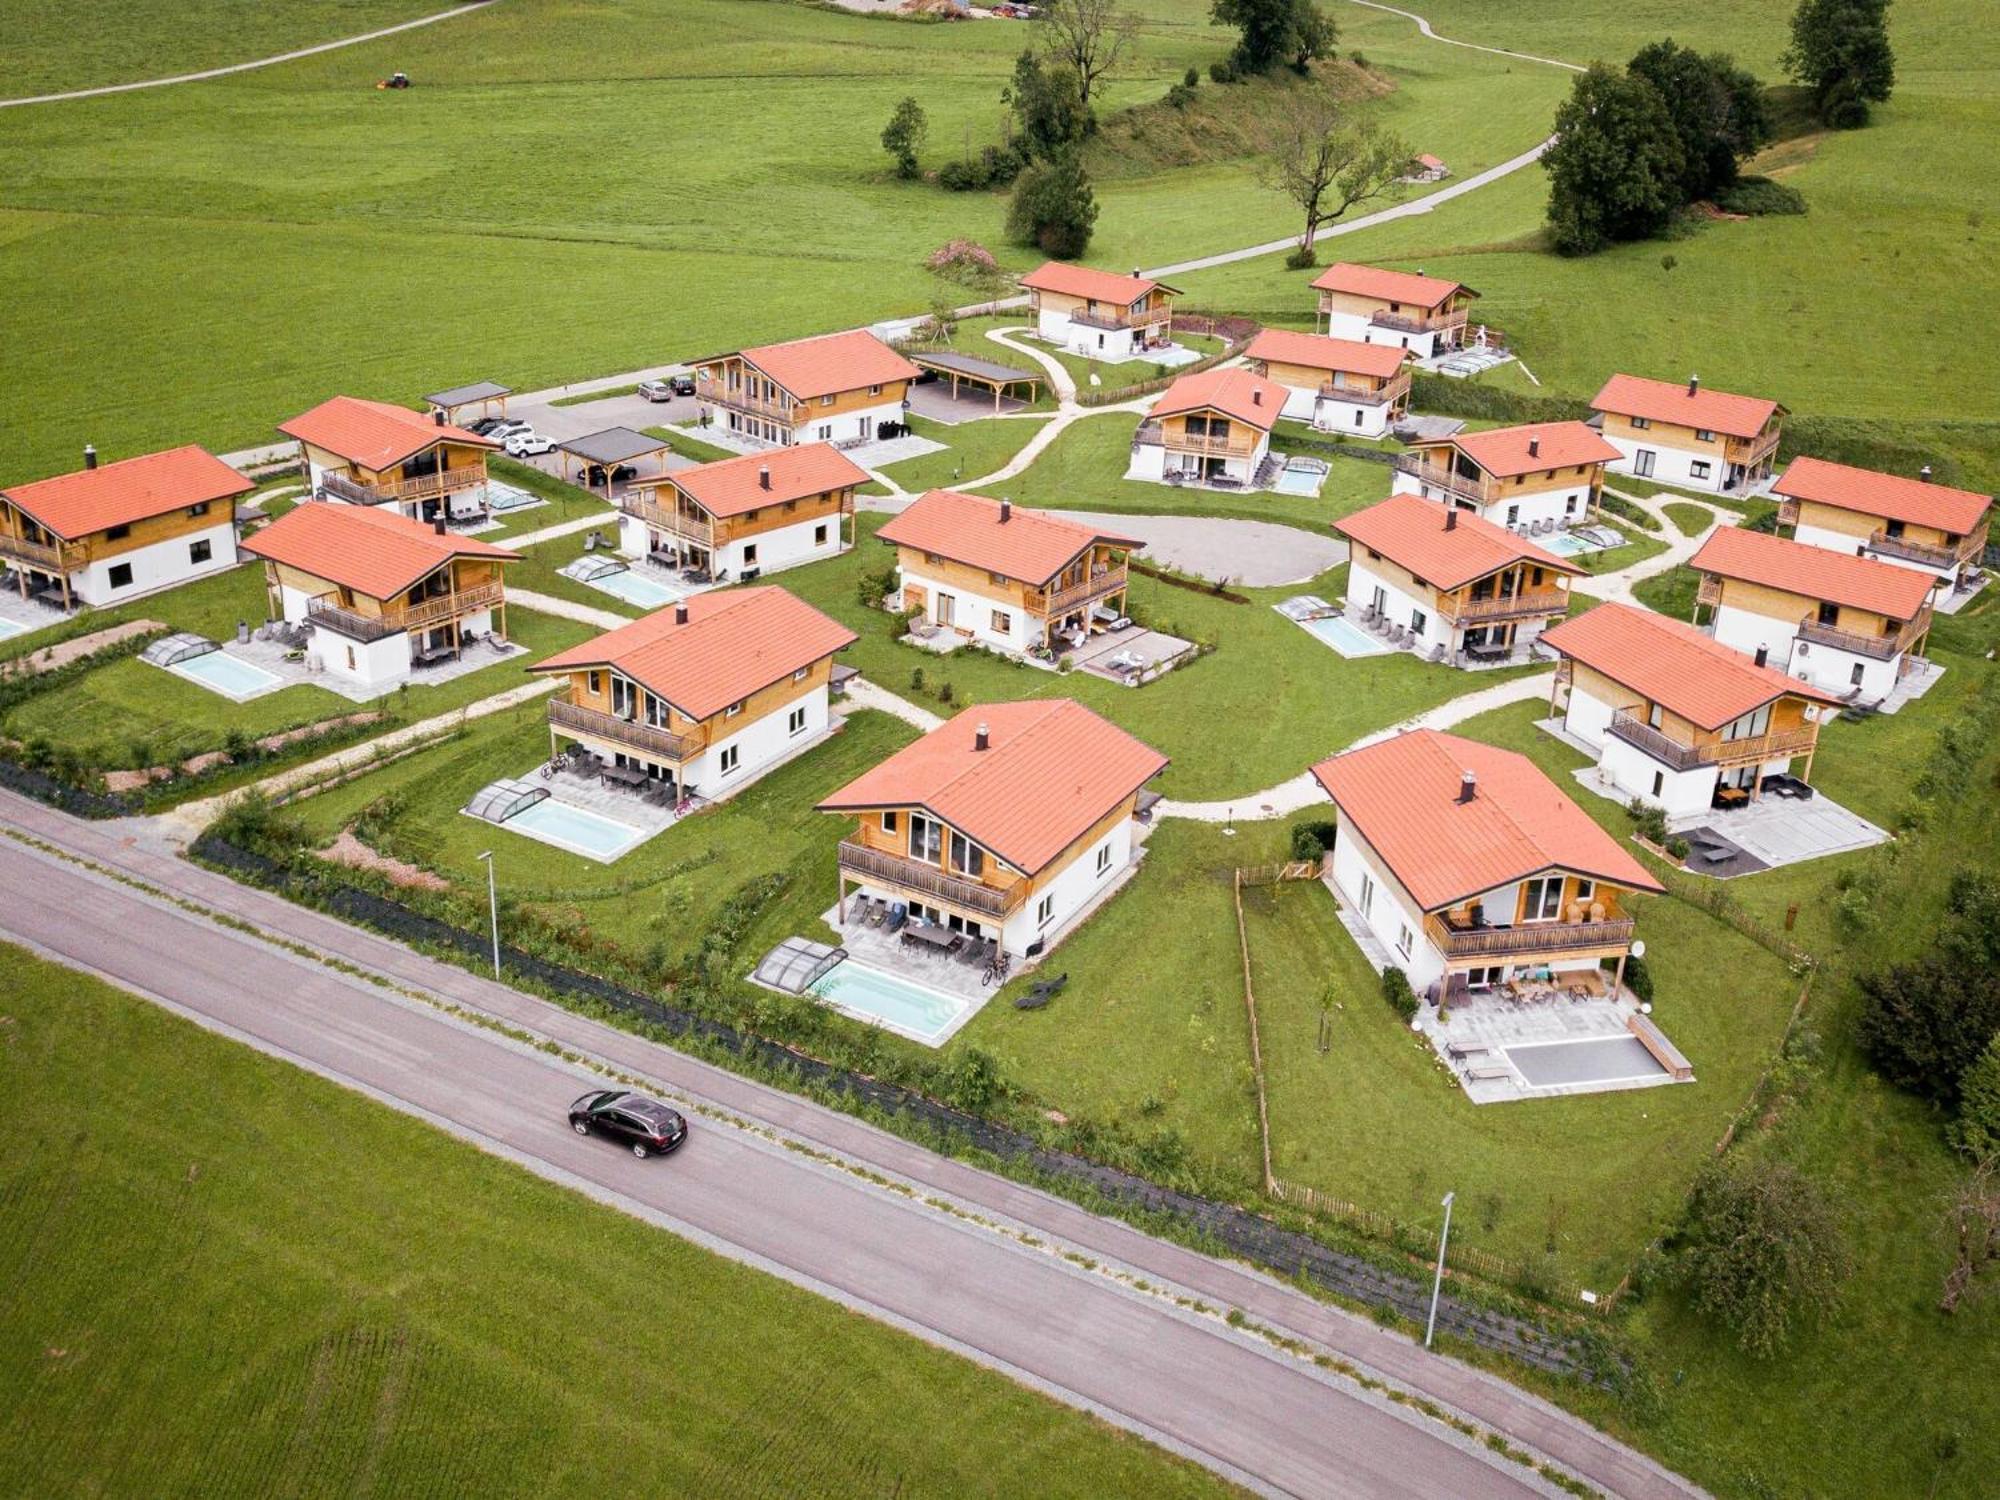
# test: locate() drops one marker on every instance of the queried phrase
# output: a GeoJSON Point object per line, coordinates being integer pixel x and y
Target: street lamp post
{"type": "Point", "coordinates": [1437, 1282]}
{"type": "Point", "coordinates": [493, 909]}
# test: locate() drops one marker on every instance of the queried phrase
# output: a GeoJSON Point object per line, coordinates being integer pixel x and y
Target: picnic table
{"type": "Point", "coordinates": [932, 936]}
{"type": "Point", "coordinates": [623, 775]}
{"type": "Point", "coordinates": [1730, 796]}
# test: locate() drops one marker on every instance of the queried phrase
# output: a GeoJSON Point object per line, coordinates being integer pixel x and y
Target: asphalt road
{"type": "Point", "coordinates": [1223, 1398]}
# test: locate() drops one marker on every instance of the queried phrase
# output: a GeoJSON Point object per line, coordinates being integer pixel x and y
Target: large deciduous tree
{"type": "Point", "coordinates": [1053, 207]}
{"type": "Point", "coordinates": [1760, 1252]}
{"type": "Point", "coordinates": [1717, 110]}
{"type": "Point", "coordinates": [1925, 1024]}
{"type": "Point", "coordinates": [1326, 165]}
{"type": "Point", "coordinates": [1275, 31]}
{"type": "Point", "coordinates": [1090, 36]}
{"type": "Point", "coordinates": [1049, 107]}
{"type": "Point", "coordinates": [1840, 51]}
{"type": "Point", "coordinates": [1615, 169]}
{"type": "Point", "coordinates": [904, 135]}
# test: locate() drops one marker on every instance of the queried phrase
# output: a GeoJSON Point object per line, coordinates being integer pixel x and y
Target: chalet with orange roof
{"type": "Point", "coordinates": [1679, 720]}
{"type": "Point", "coordinates": [1689, 436]}
{"type": "Point", "coordinates": [1000, 575]}
{"type": "Point", "coordinates": [1534, 478]}
{"type": "Point", "coordinates": [1100, 313]}
{"type": "Point", "coordinates": [1338, 385]}
{"type": "Point", "coordinates": [1848, 625]}
{"type": "Point", "coordinates": [1212, 427]}
{"type": "Point", "coordinates": [376, 453]}
{"type": "Point", "coordinates": [1405, 310]}
{"type": "Point", "coordinates": [380, 596]}
{"type": "Point", "coordinates": [1458, 589]}
{"type": "Point", "coordinates": [838, 388]}
{"type": "Point", "coordinates": [741, 518]}
{"type": "Point", "coordinates": [1913, 523]}
{"type": "Point", "coordinates": [1469, 869]}
{"type": "Point", "coordinates": [699, 699]}
{"type": "Point", "coordinates": [114, 531]}
{"type": "Point", "coordinates": [1009, 823]}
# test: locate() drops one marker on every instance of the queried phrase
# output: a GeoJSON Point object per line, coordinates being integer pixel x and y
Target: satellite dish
{"type": "Point", "coordinates": [1639, 948]}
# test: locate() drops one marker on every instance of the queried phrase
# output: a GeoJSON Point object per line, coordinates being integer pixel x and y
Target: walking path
{"type": "Point", "coordinates": [246, 67]}
{"type": "Point", "coordinates": [563, 528]}
{"type": "Point", "coordinates": [568, 609]}
{"type": "Point", "coordinates": [1618, 583]}
{"type": "Point", "coordinates": [865, 694]}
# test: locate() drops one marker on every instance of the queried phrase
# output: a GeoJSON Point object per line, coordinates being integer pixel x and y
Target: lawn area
{"type": "Point", "coordinates": [266, 1307]}
{"type": "Point", "coordinates": [1637, 547]}
{"type": "Point", "coordinates": [566, 502]}
{"type": "Point", "coordinates": [1688, 519]}
{"type": "Point", "coordinates": [128, 713]}
{"type": "Point", "coordinates": [973, 449]}
{"type": "Point", "coordinates": [537, 572]}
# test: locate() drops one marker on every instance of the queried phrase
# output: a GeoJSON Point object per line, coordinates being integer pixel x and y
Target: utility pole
{"type": "Point", "coordinates": [1437, 1282]}
{"type": "Point", "coordinates": [493, 909]}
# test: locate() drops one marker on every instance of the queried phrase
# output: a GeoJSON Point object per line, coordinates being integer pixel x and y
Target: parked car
{"type": "Point", "coordinates": [682, 383]}
{"type": "Point", "coordinates": [527, 443]}
{"type": "Point", "coordinates": [656, 390]}
{"type": "Point", "coordinates": [594, 474]}
{"type": "Point", "coordinates": [486, 425]}
{"type": "Point", "coordinates": [505, 428]}
{"type": "Point", "coordinates": [644, 1125]}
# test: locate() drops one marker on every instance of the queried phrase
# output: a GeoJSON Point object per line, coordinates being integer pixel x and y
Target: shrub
{"type": "Point", "coordinates": [1311, 840]}
{"type": "Point", "coordinates": [1677, 848]}
{"type": "Point", "coordinates": [904, 135]}
{"type": "Point", "coordinates": [1976, 1131]}
{"type": "Point", "coordinates": [1760, 195]}
{"type": "Point", "coordinates": [1638, 978]}
{"type": "Point", "coordinates": [1054, 208]}
{"type": "Point", "coordinates": [945, 692]}
{"type": "Point", "coordinates": [1648, 820]}
{"type": "Point", "coordinates": [1358, 58]}
{"type": "Point", "coordinates": [1625, 510]}
{"type": "Point", "coordinates": [1181, 95]}
{"type": "Point", "coordinates": [916, 679]}
{"type": "Point", "coordinates": [1192, 77]}
{"type": "Point", "coordinates": [1396, 990]}
{"type": "Point", "coordinates": [872, 588]}
{"type": "Point", "coordinates": [1301, 258]}
{"type": "Point", "coordinates": [1925, 1024]}
{"type": "Point", "coordinates": [1760, 1252]}
{"type": "Point", "coordinates": [962, 260]}
{"type": "Point", "coordinates": [1222, 72]}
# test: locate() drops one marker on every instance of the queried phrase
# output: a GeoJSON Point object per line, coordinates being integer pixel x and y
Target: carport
{"type": "Point", "coordinates": [981, 374]}
{"type": "Point", "coordinates": [489, 396]}
{"type": "Point", "coordinates": [608, 450]}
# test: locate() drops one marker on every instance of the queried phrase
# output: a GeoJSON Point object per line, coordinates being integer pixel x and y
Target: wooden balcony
{"type": "Point", "coordinates": [1483, 490]}
{"type": "Point", "coordinates": [689, 526]}
{"type": "Point", "coordinates": [1788, 511]}
{"type": "Point", "coordinates": [1112, 319]}
{"type": "Point", "coordinates": [1708, 590]}
{"type": "Point", "coordinates": [1938, 555]}
{"type": "Point", "coordinates": [1875, 647]}
{"type": "Point", "coordinates": [1060, 601]}
{"type": "Point", "coordinates": [1227, 447]}
{"type": "Point", "coordinates": [1525, 605]}
{"type": "Point", "coordinates": [1441, 321]}
{"type": "Point", "coordinates": [438, 610]}
{"type": "Point", "coordinates": [1530, 940]}
{"type": "Point", "coordinates": [42, 555]}
{"type": "Point", "coordinates": [1750, 452]}
{"type": "Point", "coordinates": [423, 487]}
{"type": "Point", "coordinates": [919, 878]}
{"type": "Point", "coordinates": [1383, 395]}
{"type": "Point", "coordinates": [647, 739]}
{"type": "Point", "coordinates": [779, 408]}
{"type": "Point", "coordinates": [1680, 755]}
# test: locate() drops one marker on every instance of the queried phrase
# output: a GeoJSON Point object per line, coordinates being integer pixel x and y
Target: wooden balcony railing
{"type": "Point", "coordinates": [928, 880]}
{"type": "Point", "coordinates": [420, 616]}
{"type": "Point", "coordinates": [423, 487]}
{"type": "Point", "coordinates": [1750, 452]}
{"type": "Point", "coordinates": [1930, 554]}
{"type": "Point", "coordinates": [1437, 322]}
{"type": "Point", "coordinates": [780, 408]}
{"type": "Point", "coordinates": [1484, 490]}
{"type": "Point", "coordinates": [1708, 590]}
{"type": "Point", "coordinates": [1529, 939]}
{"type": "Point", "coordinates": [1190, 442]}
{"type": "Point", "coordinates": [35, 554]}
{"type": "Point", "coordinates": [1788, 511]}
{"type": "Point", "coordinates": [663, 744]}
{"type": "Point", "coordinates": [1113, 318]}
{"type": "Point", "coordinates": [1875, 647]}
{"type": "Point", "coordinates": [1682, 756]}
{"type": "Point", "coordinates": [698, 529]}
{"type": "Point", "coordinates": [1061, 600]}
{"type": "Point", "coordinates": [1524, 605]}
{"type": "Point", "coordinates": [1383, 395]}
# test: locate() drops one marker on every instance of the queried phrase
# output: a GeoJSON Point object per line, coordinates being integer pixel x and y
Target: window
{"type": "Point", "coordinates": [199, 508]}
{"type": "Point", "coordinates": [350, 659]}
{"type": "Point", "coordinates": [993, 577]}
{"type": "Point", "coordinates": [967, 858]}
{"type": "Point", "coordinates": [1703, 435]}
{"type": "Point", "coordinates": [825, 433]}
{"type": "Point", "coordinates": [1417, 621]}
{"type": "Point", "coordinates": [932, 558]}
{"type": "Point", "coordinates": [749, 554]}
{"type": "Point", "coordinates": [624, 698]}
{"type": "Point", "coordinates": [801, 674]}
{"type": "Point", "coordinates": [1543, 902]}
{"type": "Point", "coordinates": [791, 505]}
{"type": "Point", "coordinates": [926, 838]}
{"type": "Point", "coordinates": [826, 401]}
{"type": "Point", "coordinates": [120, 576]}
{"type": "Point", "coordinates": [1750, 725]}
{"type": "Point", "coordinates": [1104, 859]}
{"type": "Point", "coordinates": [1585, 889]}
{"type": "Point", "coordinates": [1654, 714]}
{"type": "Point", "coordinates": [1569, 506]}
{"type": "Point", "coordinates": [1405, 939]}
{"type": "Point", "coordinates": [1640, 424]}
{"type": "Point", "coordinates": [874, 390]}
{"type": "Point", "coordinates": [1045, 911]}
{"type": "Point", "coordinates": [1699, 469]}
{"type": "Point", "coordinates": [734, 709]}
{"type": "Point", "coordinates": [1642, 462]}
{"type": "Point", "coordinates": [117, 533]}
{"type": "Point", "coordinates": [1367, 892]}
{"type": "Point", "coordinates": [888, 822]}
{"type": "Point", "coordinates": [1829, 613]}
{"type": "Point", "coordinates": [1854, 677]}
{"type": "Point", "coordinates": [732, 756]}
{"type": "Point", "coordinates": [1357, 419]}
{"type": "Point", "coordinates": [201, 551]}
{"type": "Point", "coordinates": [1003, 623]}
{"type": "Point", "coordinates": [819, 535]}
{"type": "Point", "coordinates": [1513, 515]}
{"type": "Point", "coordinates": [596, 684]}
{"type": "Point", "coordinates": [1659, 782]}
{"type": "Point", "coordinates": [795, 722]}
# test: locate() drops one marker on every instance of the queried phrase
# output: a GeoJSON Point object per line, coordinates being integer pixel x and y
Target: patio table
{"type": "Point", "coordinates": [932, 935]}
{"type": "Point", "coordinates": [623, 775]}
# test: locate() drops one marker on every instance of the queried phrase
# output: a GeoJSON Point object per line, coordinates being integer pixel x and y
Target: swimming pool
{"type": "Point", "coordinates": [637, 588]}
{"type": "Point", "coordinates": [230, 676]}
{"type": "Point", "coordinates": [504, 497]}
{"type": "Point", "coordinates": [1346, 637]}
{"type": "Point", "coordinates": [1298, 482]}
{"type": "Point", "coordinates": [895, 1004]}
{"type": "Point", "coordinates": [1564, 544]}
{"type": "Point", "coordinates": [1598, 1062]}
{"type": "Point", "coordinates": [576, 829]}
{"type": "Point", "coordinates": [10, 628]}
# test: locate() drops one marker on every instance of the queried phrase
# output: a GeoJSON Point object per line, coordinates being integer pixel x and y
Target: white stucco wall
{"type": "Point", "coordinates": [1854, 546]}
{"type": "Point", "coordinates": [1335, 415]}
{"type": "Point", "coordinates": [1362, 582]}
{"type": "Point", "coordinates": [1391, 909]}
{"type": "Point", "coordinates": [1670, 465]}
{"type": "Point", "coordinates": [1825, 667]}
{"type": "Point", "coordinates": [973, 612]}
{"type": "Point", "coordinates": [1344, 325]}
{"type": "Point", "coordinates": [159, 565]}
{"type": "Point", "coordinates": [1072, 890]}
{"type": "Point", "coordinates": [373, 664]}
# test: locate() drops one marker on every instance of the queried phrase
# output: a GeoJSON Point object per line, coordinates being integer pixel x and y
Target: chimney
{"type": "Point", "coordinates": [1468, 787]}
{"type": "Point", "coordinates": [1924, 473]}
{"type": "Point", "coordinates": [980, 739]}
{"type": "Point", "coordinates": [1534, 445]}
{"type": "Point", "coordinates": [1763, 656]}
{"type": "Point", "coordinates": [1694, 385]}
{"type": "Point", "coordinates": [681, 613]}
{"type": "Point", "coordinates": [1006, 510]}
{"type": "Point", "coordinates": [1135, 274]}
{"type": "Point", "coordinates": [437, 523]}
{"type": "Point", "coordinates": [90, 458]}
{"type": "Point", "coordinates": [1256, 395]}
{"type": "Point", "coordinates": [437, 417]}
{"type": "Point", "coordinates": [763, 476]}
{"type": "Point", "coordinates": [1451, 518]}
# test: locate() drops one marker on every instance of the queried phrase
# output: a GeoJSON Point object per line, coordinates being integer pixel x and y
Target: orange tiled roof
{"type": "Point", "coordinates": [1814, 572]}
{"type": "Point", "coordinates": [368, 549]}
{"type": "Point", "coordinates": [1231, 390]}
{"type": "Point", "coordinates": [1082, 281]}
{"type": "Point", "coordinates": [1503, 451]}
{"type": "Point", "coordinates": [1402, 795]}
{"type": "Point", "coordinates": [1663, 401]}
{"type": "Point", "coordinates": [1030, 545]}
{"type": "Point", "coordinates": [1411, 532]}
{"type": "Point", "coordinates": [1318, 352]}
{"type": "Point", "coordinates": [1414, 289]}
{"type": "Point", "coordinates": [734, 642]}
{"type": "Point", "coordinates": [373, 434]}
{"type": "Point", "coordinates": [1051, 771]}
{"type": "Point", "coordinates": [1915, 502]}
{"type": "Point", "coordinates": [832, 363]}
{"type": "Point", "coordinates": [132, 489]}
{"type": "Point", "coordinates": [1671, 663]}
{"type": "Point", "coordinates": [731, 486]}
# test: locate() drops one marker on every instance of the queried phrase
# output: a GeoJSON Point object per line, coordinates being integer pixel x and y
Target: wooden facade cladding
{"type": "Point", "coordinates": [1098, 573]}
{"type": "Point", "coordinates": [592, 706]}
{"type": "Point", "coordinates": [1592, 924]}
{"type": "Point", "coordinates": [1748, 452]}
{"type": "Point", "coordinates": [1451, 313]}
{"type": "Point", "coordinates": [23, 539]}
{"type": "Point", "coordinates": [1519, 591]}
{"type": "Point", "coordinates": [1860, 631]}
{"type": "Point", "coordinates": [1678, 742]}
{"type": "Point", "coordinates": [438, 469]}
{"type": "Point", "coordinates": [1155, 309]}
{"type": "Point", "coordinates": [733, 382]}
{"type": "Point", "coordinates": [666, 507]}
{"type": "Point", "coordinates": [1449, 470]}
{"type": "Point", "coordinates": [1341, 385]}
{"type": "Point", "coordinates": [1929, 545]}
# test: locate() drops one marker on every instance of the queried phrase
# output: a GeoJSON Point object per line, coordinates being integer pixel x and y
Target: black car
{"type": "Point", "coordinates": [682, 384]}
{"type": "Point", "coordinates": [645, 1125]}
{"type": "Point", "coordinates": [486, 424]}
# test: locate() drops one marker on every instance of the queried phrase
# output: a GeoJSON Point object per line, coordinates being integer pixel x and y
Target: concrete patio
{"type": "Point", "coordinates": [20, 616]}
{"type": "Point", "coordinates": [289, 663]}
{"type": "Point", "coordinates": [1921, 677]}
{"type": "Point", "coordinates": [1130, 656]}
{"type": "Point", "coordinates": [933, 399]}
{"type": "Point", "coordinates": [1487, 1027]}
{"type": "Point", "coordinates": [1777, 831]}
{"type": "Point", "coordinates": [878, 948]}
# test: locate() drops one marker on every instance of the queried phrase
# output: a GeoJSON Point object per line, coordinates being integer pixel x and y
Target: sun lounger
{"type": "Point", "coordinates": [1033, 1000]}
{"type": "Point", "coordinates": [1048, 989]}
{"type": "Point", "coordinates": [1491, 1073]}
{"type": "Point", "coordinates": [1462, 1050]}
{"type": "Point", "coordinates": [899, 913]}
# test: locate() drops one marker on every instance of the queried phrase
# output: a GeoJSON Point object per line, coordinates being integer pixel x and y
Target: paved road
{"type": "Point", "coordinates": [1223, 1397]}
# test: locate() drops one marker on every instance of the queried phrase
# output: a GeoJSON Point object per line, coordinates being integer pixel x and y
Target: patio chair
{"type": "Point", "coordinates": [899, 913]}
{"type": "Point", "coordinates": [975, 951]}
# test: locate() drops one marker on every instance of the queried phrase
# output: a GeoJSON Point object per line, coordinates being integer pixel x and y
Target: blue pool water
{"type": "Point", "coordinates": [575, 829]}
{"type": "Point", "coordinates": [1298, 482]}
{"type": "Point", "coordinates": [1346, 637]}
{"type": "Point", "coordinates": [8, 627]}
{"type": "Point", "coordinates": [222, 673]}
{"type": "Point", "coordinates": [1564, 545]}
{"type": "Point", "coordinates": [871, 995]}
{"type": "Point", "coordinates": [637, 588]}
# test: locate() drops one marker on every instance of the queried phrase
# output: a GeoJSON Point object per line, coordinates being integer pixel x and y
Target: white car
{"type": "Point", "coordinates": [527, 444]}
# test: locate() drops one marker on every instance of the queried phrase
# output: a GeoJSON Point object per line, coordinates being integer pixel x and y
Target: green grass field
{"type": "Point", "coordinates": [255, 1293]}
